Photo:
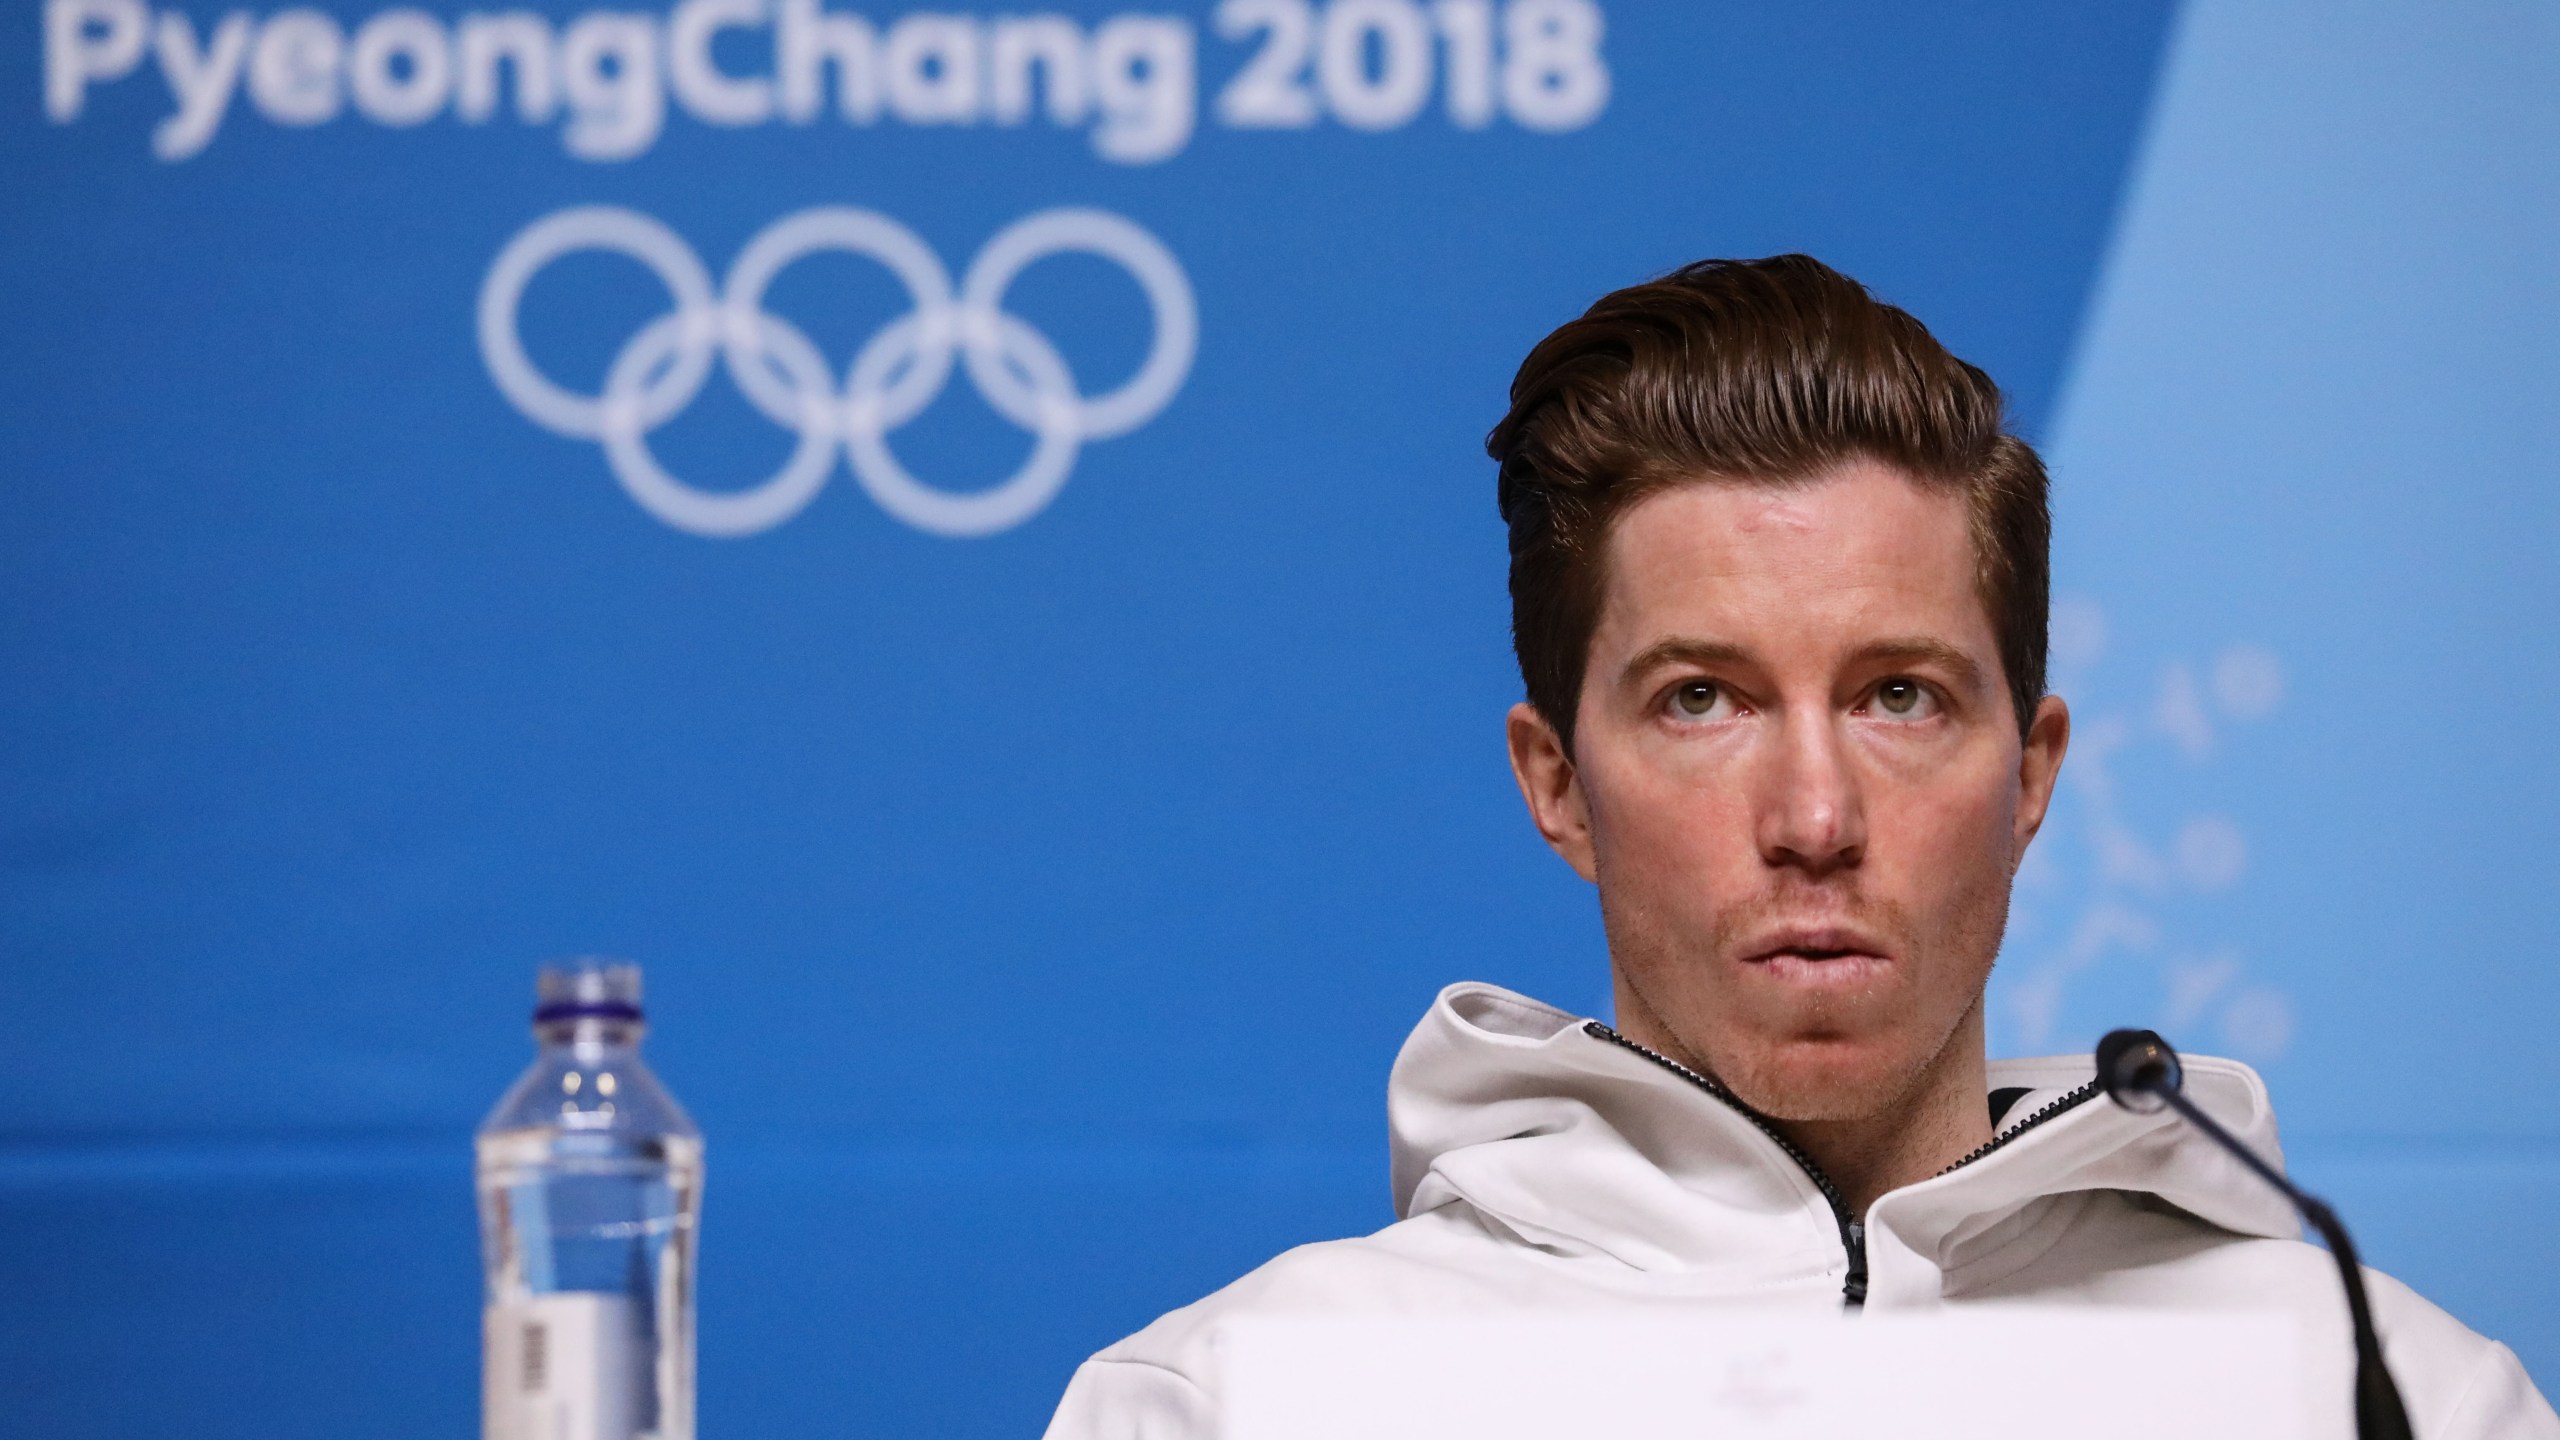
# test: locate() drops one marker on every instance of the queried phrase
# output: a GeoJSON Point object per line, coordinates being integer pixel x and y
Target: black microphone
{"type": "Point", "coordinates": [2142, 1074]}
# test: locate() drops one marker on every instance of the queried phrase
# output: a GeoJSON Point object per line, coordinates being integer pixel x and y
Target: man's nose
{"type": "Point", "coordinates": [1812, 814]}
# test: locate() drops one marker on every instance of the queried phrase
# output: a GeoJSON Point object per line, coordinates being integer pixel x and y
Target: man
{"type": "Point", "coordinates": [1778, 587]}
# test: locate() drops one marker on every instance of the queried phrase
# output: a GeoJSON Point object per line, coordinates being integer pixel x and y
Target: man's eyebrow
{"type": "Point", "coordinates": [1684, 650]}
{"type": "Point", "coordinates": [1920, 650]}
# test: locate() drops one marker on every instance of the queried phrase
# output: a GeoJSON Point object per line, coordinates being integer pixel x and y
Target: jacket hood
{"type": "Point", "coordinates": [1581, 1144]}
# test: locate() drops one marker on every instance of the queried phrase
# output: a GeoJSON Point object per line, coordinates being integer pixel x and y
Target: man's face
{"type": "Point", "coordinates": [1798, 782]}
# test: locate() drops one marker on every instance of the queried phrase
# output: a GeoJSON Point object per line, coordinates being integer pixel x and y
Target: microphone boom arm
{"type": "Point", "coordinates": [2137, 1062]}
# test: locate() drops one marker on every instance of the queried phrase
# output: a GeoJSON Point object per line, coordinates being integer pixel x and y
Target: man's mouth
{"type": "Point", "coordinates": [1819, 956]}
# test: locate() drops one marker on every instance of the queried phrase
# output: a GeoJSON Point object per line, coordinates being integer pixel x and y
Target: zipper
{"type": "Point", "coordinates": [1853, 1234]}
{"type": "Point", "coordinates": [2060, 1104]}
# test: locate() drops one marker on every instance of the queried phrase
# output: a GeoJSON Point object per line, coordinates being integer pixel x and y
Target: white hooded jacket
{"type": "Point", "coordinates": [1542, 1161]}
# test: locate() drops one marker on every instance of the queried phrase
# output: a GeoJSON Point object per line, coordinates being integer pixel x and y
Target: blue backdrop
{"type": "Point", "coordinates": [1046, 769]}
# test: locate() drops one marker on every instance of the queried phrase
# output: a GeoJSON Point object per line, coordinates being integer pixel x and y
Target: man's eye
{"type": "Point", "coordinates": [1697, 699]}
{"type": "Point", "coordinates": [1904, 699]}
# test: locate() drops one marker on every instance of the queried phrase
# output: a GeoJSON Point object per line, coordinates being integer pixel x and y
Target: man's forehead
{"type": "Point", "coordinates": [1859, 547]}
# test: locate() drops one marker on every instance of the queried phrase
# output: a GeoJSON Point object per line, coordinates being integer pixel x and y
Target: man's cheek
{"type": "Point", "coordinates": [1703, 823]}
{"type": "Point", "coordinates": [1692, 877]}
{"type": "Point", "coordinates": [1665, 829]}
{"type": "Point", "coordinates": [1947, 831]}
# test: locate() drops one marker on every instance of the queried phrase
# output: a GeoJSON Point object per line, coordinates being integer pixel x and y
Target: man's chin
{"type": "Point", "coordinates": [1817, 1079]}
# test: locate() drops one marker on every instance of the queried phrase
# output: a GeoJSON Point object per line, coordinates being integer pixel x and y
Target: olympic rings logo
{"type": "Point", "coordinates": [891, 380]}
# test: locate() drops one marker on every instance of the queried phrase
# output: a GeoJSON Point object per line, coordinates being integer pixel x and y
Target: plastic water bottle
{"type": "Point", "coordinates": [590, 1180]}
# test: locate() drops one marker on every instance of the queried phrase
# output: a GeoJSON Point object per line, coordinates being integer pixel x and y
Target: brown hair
{"type": "Point", "coordinates": [1748, 371]}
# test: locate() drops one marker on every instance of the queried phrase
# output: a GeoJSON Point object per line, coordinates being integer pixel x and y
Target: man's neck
{"type": "Point", "coordinates": [1942, 1118]}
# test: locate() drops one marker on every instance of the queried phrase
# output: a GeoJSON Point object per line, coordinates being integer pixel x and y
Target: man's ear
{"type": "Point", "coordinates": [2039, 764]}
{"type": "Point", "coordinates": [1553, 788]}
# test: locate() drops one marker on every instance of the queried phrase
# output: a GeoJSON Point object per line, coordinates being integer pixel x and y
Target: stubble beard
{"type": "Point", "coordinates": [1817, 1055]}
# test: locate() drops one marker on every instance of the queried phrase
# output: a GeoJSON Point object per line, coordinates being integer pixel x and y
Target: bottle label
{"type": "Point", "coordinates": [567, 1366]}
